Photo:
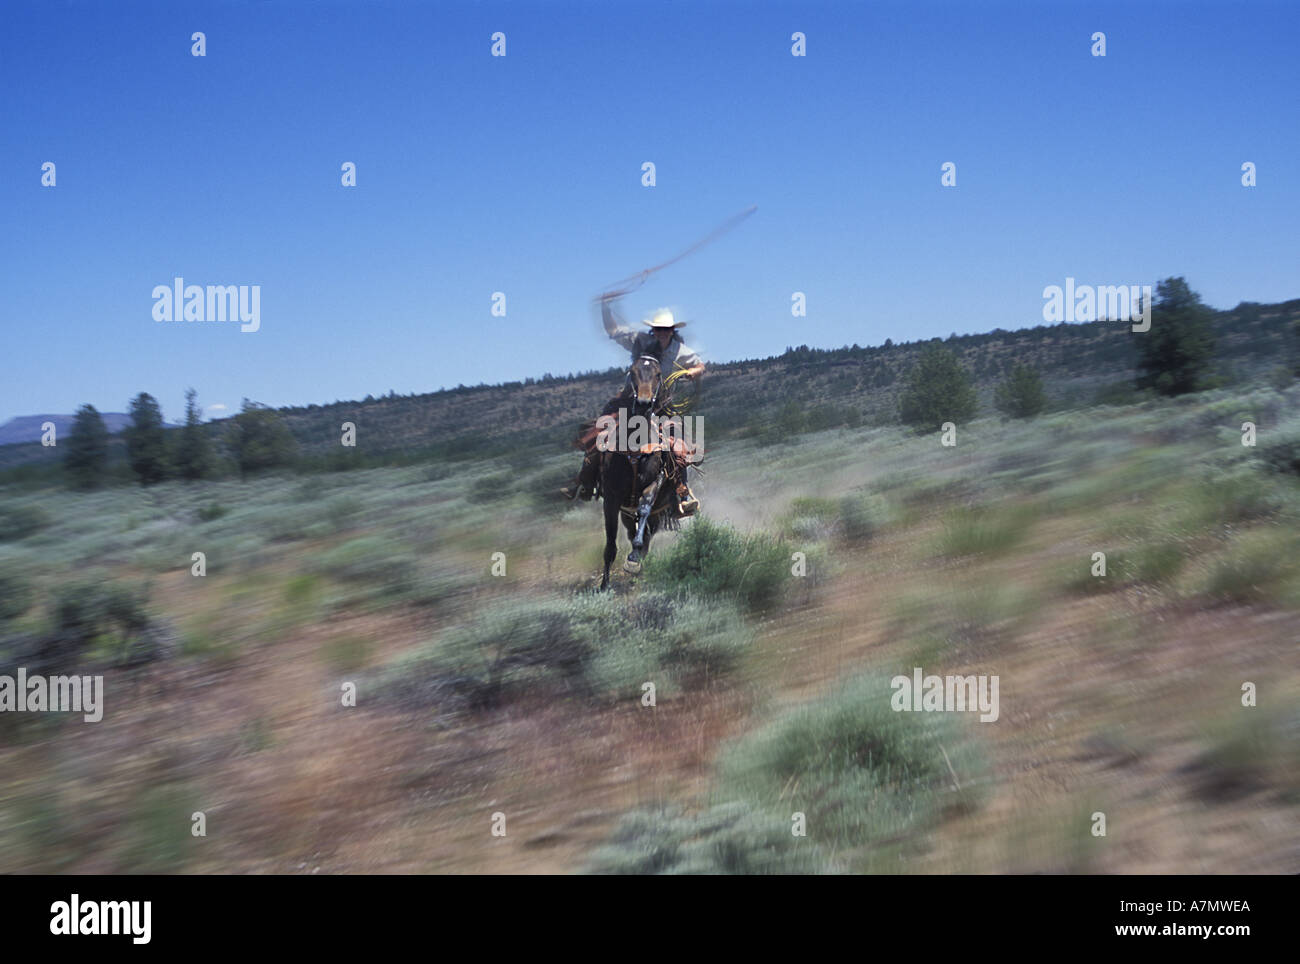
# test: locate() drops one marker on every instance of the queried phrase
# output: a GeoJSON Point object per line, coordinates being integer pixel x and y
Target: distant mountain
{"type": "Point", "coordinates": [27, 428]}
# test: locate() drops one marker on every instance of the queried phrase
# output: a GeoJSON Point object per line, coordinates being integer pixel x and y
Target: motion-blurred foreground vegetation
{"type": "Point", "coordinates": [457, 596]}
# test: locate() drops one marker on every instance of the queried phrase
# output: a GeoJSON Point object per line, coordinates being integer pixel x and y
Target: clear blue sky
{"type": "Point", "coordinates": [522, 174]}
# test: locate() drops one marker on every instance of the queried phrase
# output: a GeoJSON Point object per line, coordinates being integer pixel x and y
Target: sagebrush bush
{"type": "Point", "coordinates": [810, 519]}
{"type": "Point", "coordinates": [370, 567]}
{"type": "Point", "coordinates": [19, 522]}
{"type": "Point", "coordinates": [1240, 494]}
{"type": "Point", "coordinates": [1251, 750]}
{"type": "Point", "coordinates": [103, 621]}
{"type": "Point", "coordinates": [1259, 567]}
{"type": "Point", "coordinates": [862, 772]}
{"type": "Point", "coordinates": [1282, 454]}
{"type": "Point", "coordinates": [85, 609]}
{"type": "Point", "coordinates": [861, 516]}
{"type": "Point", "coordinates": [711, 560]}
{"type": "Point", "coordinates": [342, 512]}
{"type": "Point", "coordinates": [494, 487]}
{"type": "Point", "coordinates": [590, 645]}
{"type": "Point", "coordinates": [984, 530]}
{"type": "Point", "coordinates": [212, 512]}
{"type": "Point", "coordinates": [1155, 563]}
{"type": "Point", "coordinates": [726, 839]}
{"type": "Point", "coordinates": [16, 592]}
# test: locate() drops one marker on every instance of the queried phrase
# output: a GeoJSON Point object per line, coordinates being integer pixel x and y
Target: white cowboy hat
{"type": "Point", "coordinates": [663, 319]}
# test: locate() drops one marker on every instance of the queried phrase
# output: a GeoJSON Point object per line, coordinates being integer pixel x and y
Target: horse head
{"type": "Point", "coordinates": [647, 379]}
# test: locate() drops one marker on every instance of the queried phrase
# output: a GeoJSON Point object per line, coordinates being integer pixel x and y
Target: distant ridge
{"type": "Point", "coordinates": [27, 428]}
{"type": "Point", "coordinates": [803, 389]}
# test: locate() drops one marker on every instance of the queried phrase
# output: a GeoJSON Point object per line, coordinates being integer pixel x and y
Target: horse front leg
{"type": "Point", "coordinates": [644, 507]}
{"type": "Point", "coordinates": [611, 538]}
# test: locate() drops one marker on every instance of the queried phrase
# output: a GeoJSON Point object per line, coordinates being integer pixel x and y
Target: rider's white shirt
{"type": "Point", "coordinates": [635, 341]}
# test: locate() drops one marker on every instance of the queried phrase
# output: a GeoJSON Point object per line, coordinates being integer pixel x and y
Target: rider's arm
{"type": "Point", "coordinates": [689, 360]}
{"type": "Point", "coordinates": [619, 332]}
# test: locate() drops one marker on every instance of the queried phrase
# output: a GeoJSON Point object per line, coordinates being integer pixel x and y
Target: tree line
{"type": "Point", "coordinates": [254, 440]}
{"type": "Point", "coordinates": [1175, 357]}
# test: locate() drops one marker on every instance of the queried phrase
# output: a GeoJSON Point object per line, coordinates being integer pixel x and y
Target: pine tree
{"type": "Point", "coordinates": [193, 450]}
{"type": "Point", "coordinates": [259, 439]}
{"type": "Point", "coordinates": [146, 441]}
{"type": "Point", "coordinates": [937, 390]}
{"type": "Point", "coordinates": [1020, 395]}
{"type": "Point", "coordinates": [1174, 355]}
{"type": "Point", "coordinates": [87, 455]}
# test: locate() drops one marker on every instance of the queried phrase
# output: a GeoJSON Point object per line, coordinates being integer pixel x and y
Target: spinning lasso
{"type": "Point", "coordinates": [682, 406]}
{"type": "Point", "coordinates": [632, 282]}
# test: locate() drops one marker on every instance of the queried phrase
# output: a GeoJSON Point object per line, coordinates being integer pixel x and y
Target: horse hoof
{"type": "Point", "coordinates": [632, 566]}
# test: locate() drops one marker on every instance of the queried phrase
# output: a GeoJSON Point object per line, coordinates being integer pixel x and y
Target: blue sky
{"type": "Point", "coordinates": [522, 174]}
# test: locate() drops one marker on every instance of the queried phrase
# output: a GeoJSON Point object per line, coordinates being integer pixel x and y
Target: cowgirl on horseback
{"type": "Point", "coordinates": [665, 345]}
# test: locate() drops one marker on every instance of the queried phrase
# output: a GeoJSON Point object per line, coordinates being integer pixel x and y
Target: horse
{"type": "Point", "coordinates": [640, 485]}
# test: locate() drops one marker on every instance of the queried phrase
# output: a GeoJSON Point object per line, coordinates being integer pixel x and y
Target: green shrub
{"type": "Point", "coordinates": [813, 507]}
{"type": "Point", "coordinates": [343, 511]}
{"type": "Point", "coordinates": [1282, 454]}
{"type": "Point", "coordinates": [861, 516]}
{"type": "Point", "coordinates": [983, 530]}
{"type": "Point", "coordinates": [1238, 495]}
{"type": "Point", "coordinates": [348, 653]}
{"type": "Point", "coordinates": [1116, 393]}
{"type": "Point", "coordinates": [19, 522]}
{"type": "Point", "coordinates": [861, 772]}
{"type": "Point", "coordinates": [212, 512]}
{"type": "Point", "coordinates": [591, 644]}
{"type": "Point", "coordinates": [1254, 749]}
{"type": "Point", "coordinates": [670, 641]}
{"type": "Point", "coordinates": [148, 842]}
{"type": "Point", "coordinates": [1256, 569]}
{"type": "Point", "coordinates": [220, 649]}
{"type": "Point", "coordinates": [492, 488]}
{"type": "Point", "coordinates": [86, 609]}
{"type": "Point", "coordinates": [371, 566]}
{"type": "Point", "coordinates": [1158, 563]}
{"type": "Point", "coordinates": [107, 621]}
{"type": "Point", "coordinates": [301, 589]}
{"type": "Point", "coordinates": [16, 593]}
{"type": "Point", "coordinates": [726, 839]}
{"type": "Point", "coordinates": [810, 519]}
{"type": "Point", "coordinates": [710, 560]}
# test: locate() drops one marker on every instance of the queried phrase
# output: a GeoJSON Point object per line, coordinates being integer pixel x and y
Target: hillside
{"type": "Point", "coordinates": [804, 389]}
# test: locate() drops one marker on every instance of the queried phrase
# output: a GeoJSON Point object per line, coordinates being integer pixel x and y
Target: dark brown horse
{"type": "Point", "coordinates": [638, 488]}
{"type": "Point", "coordinates": [637, 482]}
